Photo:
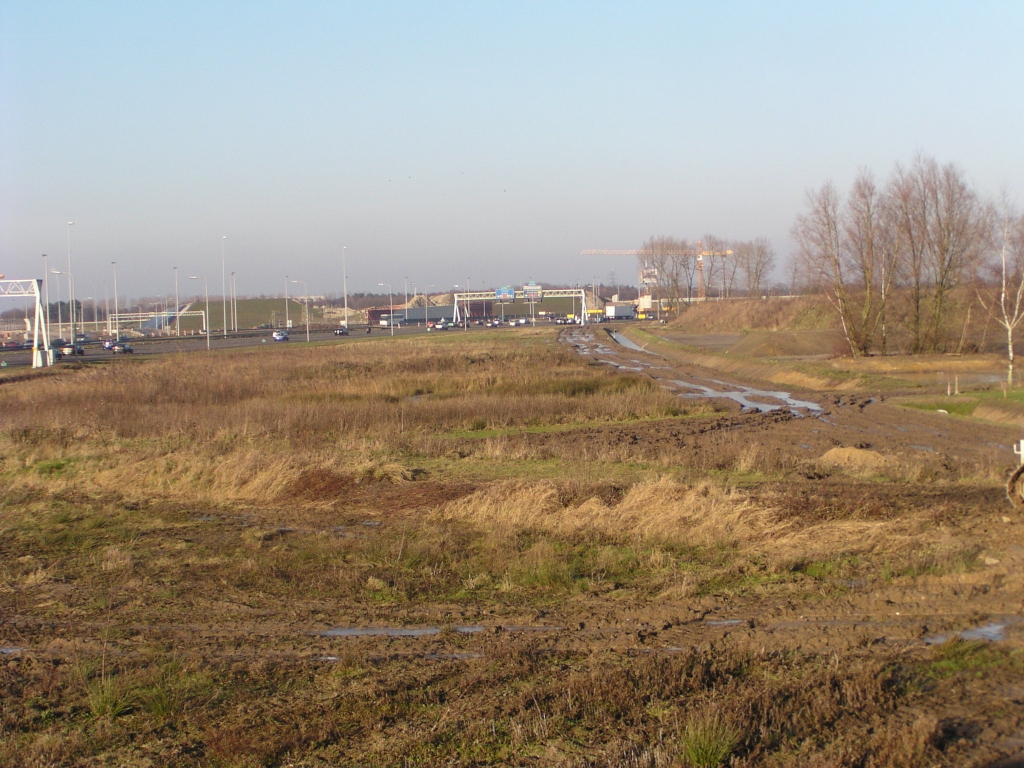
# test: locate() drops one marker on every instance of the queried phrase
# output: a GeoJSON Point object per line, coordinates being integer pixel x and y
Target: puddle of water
{"type": "Point", "coordinates": [525, 628]}
{"type": "Point", "coordinates": [926, 448]}
{"type": "Point", "coordinates": [724, 622]}
{"type": "Point", "coordinates": [737, 397]}
{"type": "Point", "coordinates": [626, 342]}
{"type": "Point", "coordinates": [453, 656]}
{"type": "Point", "coordinates": [805, 446]}
{"type": "Point", "coordinates": [743, 395]}
{"type": "Point", "coordinates": [992, 632]}
{"type": "Point", "coordinates": [204, 519]}
{"type": "Point", "coordinates": [371, 523]}
{"type": "Point", "coordinates": [468, 629]}
{"type": "Point", "coordinates": [10, 650]}
{"type": "Point", "coordinates": [377, 631]}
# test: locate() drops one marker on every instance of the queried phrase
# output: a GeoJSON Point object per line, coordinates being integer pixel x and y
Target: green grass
{"type": "Point", "coordinates": [961, 406]}
{"type": "Point", "coordinates": [252, 313]}
{"type": "Point", "coordinates": [970, 657]}
{"type": "Point", "coordinates": [707, 743]}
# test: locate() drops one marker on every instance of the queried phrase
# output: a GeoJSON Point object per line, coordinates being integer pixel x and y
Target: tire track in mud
{"type": "Point", "coordinates": [624, 355]}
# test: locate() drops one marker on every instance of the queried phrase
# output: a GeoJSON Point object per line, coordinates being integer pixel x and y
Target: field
{"type": "Point", "coordinates": [530, 547]}
{"type": "Point", "coordinates": [252, 313]}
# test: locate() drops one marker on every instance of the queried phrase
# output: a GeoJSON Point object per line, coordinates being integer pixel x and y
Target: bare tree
{"type": "Point", "coordinates": [939, 221]}
{"type": "Point", "coordinates": [819, 234]}
{"type": "Point", "coordinates": [659, 254]}
{"type": "Point", "coordinates": [847, 245]}
{"type": "Point", "coordinates": [715, 266]}
{"type": "Point", "coordinates": [754, 259]}
{"type": "Point", "coordinates": [869, 250]}
{"type": "Point", "coordinates": [1002, 293]}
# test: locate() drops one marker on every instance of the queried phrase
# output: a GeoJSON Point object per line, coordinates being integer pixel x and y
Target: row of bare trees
{"type": "Point", "coordinates": [914, 256]}
{"type": "Point", "coordinates": [729, 268]}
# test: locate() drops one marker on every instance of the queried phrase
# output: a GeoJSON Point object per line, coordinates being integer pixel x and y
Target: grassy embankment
{"type": "Point", "coordinates": [796, 343]}
{"type": "Point", "coordinates": [168, 534]}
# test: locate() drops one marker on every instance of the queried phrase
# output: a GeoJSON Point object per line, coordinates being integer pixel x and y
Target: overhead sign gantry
{"type": "Point", "coordinates": [41, 353]}
{"type": "Point", "coordinates": [531, 294]}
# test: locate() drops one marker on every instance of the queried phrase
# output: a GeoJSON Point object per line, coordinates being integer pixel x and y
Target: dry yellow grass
{"type": "Point", "coordinates": [243, 424]}
{"type": "Point", "coordinates": [667, 512]}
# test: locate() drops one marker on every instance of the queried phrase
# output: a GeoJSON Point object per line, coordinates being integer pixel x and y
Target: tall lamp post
{"type": "Point", "coordinates": [206, 318]}
{"type": "Point", "coordinates": [117, 322]}
{"type": "Point", "coordinates": [177, 306]}
{"type": "Point", "coordinates": [71, 287]}
{"type": "Point", "coordinates": [405, 287]}
{"type": "Point", "coordinates": [46, 283]}
{"type": "Point", "coordinates": [223, 286]}
{"type": "Point", "coordinates": [305, 290]}
{"type": "Point", "coordinates": [344, 281]}
{"type": "Point", "coordinates": [287, 325]}
{"type": "Point", "coordinates": [60, 318]}
{"type": "Point", "coordinates": [391, 308]}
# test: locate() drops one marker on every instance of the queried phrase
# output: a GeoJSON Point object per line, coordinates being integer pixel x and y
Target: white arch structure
{"type": "Point", "coordinates": [41, 355]}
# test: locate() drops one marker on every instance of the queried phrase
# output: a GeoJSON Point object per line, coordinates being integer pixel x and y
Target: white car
{"type": "Point", "coordinates": [280, 336]}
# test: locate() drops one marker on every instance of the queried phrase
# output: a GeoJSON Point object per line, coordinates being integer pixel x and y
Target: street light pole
{"type": "Point", "coordinates": [60, 319]}
{"type": "Point", "coordinates": [71, 287]}
{"type": "Point", "coordinates": [391, 307]}
{"type": "Point", "coordinates": [426, 303]}
{"type": "Point", "coordinates": [344, 281]}
{"type": "Point", "coordinates": [305, 290]}
{"type": "Point", "coordinates": [206, 318]}
{"type": "Point", "coordinates": [117, 322]}
{"type": "Point", "coordinates": [177, 305]}
{"type": "Point", "coordinates": [287, 326]}
{"type": "Point", "coordinates": [46, 283]}
{"type": "Point", "coordinates": [223, 286]}
{"type": "Point", "coordinates": [405, 289]}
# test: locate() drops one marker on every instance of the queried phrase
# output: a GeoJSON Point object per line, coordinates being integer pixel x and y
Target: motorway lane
{"type": "Point", "coordinates": [172, 344]}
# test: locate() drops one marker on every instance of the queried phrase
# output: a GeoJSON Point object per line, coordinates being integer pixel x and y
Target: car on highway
{"type": "Point", "coordinates": [121, 348]}
{"type": "Point", "coordinates": [341, 331]}
{"type": "Point", "coordinates": [72, 350]}
{"type": "Point", "coordinates": [280, 336]}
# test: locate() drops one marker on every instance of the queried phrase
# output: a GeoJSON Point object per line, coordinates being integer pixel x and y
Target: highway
{"type": "Point", "coordinates": [172, 344]}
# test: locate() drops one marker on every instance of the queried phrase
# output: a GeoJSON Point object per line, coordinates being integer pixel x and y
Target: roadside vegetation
{"type": "Point", "coordinates": [175, 530]}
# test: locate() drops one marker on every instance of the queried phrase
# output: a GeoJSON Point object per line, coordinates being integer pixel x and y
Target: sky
{"type": "Point", "coordinates": [440, 142]}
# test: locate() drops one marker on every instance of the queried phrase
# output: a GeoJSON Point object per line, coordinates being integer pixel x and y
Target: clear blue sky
{"type": "Point", "coordinates": [488, 140]}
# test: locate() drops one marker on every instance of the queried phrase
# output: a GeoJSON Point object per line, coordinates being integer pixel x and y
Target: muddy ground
{"type": "Point", "coordinates": [827, 448]}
